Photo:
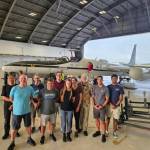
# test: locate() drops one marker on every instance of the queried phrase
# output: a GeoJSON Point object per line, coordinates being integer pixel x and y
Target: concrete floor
{"type": "Point", "coordinates": [129, 139]}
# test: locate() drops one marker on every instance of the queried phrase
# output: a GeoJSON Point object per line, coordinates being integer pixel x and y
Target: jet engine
{"type": "Point", "coordinates": [136, 73]}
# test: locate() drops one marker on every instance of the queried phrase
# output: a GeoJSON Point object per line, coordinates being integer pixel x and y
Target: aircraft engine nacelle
{"type": "Point", "coordinates": [136, 73]}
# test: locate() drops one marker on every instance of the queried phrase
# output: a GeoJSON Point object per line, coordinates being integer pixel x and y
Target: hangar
{"type": "Point", "coordinates": [71, 23]}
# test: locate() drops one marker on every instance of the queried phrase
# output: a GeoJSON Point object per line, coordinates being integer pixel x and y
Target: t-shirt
{"type": "Point", "coordinates": [21, 99]}
{"type": "Point", "coordinates": [99, 93]}
{"type": "Point", "coordinates": [6, 91]}
{"type": "Point", "coordinates": [77, 93]}
{"type": "Point", "coordinates": [37, 89]}
{"type": "Point", "coordinates": [67, 104]}
{"type": "Point", "coordinates": [58, 86]}
{"type": "Point", "coordinates": [48, 100]}
{"type": "Point", "coordinates": [114, 92]}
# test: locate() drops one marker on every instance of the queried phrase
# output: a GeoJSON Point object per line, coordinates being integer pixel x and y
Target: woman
{"type": "Point", "coordinates": [66, 97]}
{"type": "Point", "coordinates": [77, 90]}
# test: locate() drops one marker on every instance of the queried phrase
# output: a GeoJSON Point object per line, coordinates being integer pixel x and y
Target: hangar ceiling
{"type": "Point", "coordinates": [71, 23]}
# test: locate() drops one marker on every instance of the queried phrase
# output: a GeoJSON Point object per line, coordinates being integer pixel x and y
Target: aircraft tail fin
{"type": "Point", "coordinates": [133, 57]}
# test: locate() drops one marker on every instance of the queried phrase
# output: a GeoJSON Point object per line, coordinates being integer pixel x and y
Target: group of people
{"type": "Point", "coordinates": [64, 98]}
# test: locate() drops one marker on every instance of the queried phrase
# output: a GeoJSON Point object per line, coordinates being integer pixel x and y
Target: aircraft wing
{"type": "Point", "coordinates": [46, 65]}
{"type": "Point", "coordinates": [142, 66]}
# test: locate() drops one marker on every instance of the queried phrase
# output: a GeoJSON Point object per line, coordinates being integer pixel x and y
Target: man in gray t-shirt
{"type": "Point", "coordinates": [100, 95]}
{"type": "Point", "coordinates": [48, 100]}
{"type": "Point", "coordinates": [49, 97]}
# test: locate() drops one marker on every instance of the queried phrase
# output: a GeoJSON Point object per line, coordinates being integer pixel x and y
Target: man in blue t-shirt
{"type": "Point", "coordinates": [115, 98]}
{"type": "Point", "coordinates": [21, 97]}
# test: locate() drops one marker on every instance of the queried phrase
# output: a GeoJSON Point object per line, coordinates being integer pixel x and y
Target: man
{"type": "Point", "coordinates": [85, 106]}
{"type": "Point", "coordinates": [7, 105]}
{"type": "Point", "coordinates": [58, 84]}
{"type": "Point", "coordinates": [49, 96]}
{"type": "Point", "coordinates": [21, 97]}
{"type": "Point", "coordinates": [100, 95]}
{"type": "Point", "coordinates": [116, 97]}
{"type": "Point", "coordinates": [37, 86]}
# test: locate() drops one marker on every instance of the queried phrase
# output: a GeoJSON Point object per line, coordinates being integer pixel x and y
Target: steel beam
{"type": "Point", "coordinates": [76, 14]}
{"type": "Point", "coordinates": [31, 35]}
{"type": "Point", "coordinates": [108, 8]}
{"type": "Point", "coordinates": [7, 16]}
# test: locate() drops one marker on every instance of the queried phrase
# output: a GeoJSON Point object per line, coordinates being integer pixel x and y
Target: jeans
{"type": "Point", "coordinates": [66, 121]}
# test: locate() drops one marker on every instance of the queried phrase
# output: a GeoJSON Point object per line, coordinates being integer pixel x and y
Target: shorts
{"type": "Point", "coordinates": [46, 118]}
{"type": "Point", "coordinates": [108, 111]}
{"type": "Point", "coordinates": [99, 114]}
{"type": "Point", "coordinates": [35, 111]}
{"type": "Point", "coordinates": [116, 112]}
{"type": "Point", "coordinates": [16, 120]}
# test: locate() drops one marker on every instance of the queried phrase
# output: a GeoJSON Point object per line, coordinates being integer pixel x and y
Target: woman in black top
{"type": "Point", "coordinates": [66, 109]}
{"type": "Point", "coordinates": [77, 90]}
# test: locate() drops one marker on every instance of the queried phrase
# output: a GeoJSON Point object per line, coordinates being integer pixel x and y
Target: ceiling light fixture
{"type": "Point", "coordinates": [59, 22]}
{"type": "Point", "coordinates": [102, 12]}
{"type": "Point", "coordinates": [94, 29]}
{"type": "Point", "coordinates": [116, 17]}
{"type": "Point", "coordinates": [64, 44]}
{"type": "Point", "coordinates": [83, 2]}
{"type": "Point", "coordinates": [44, 41]}
{"type": "Point", "coordinates": [79, 28]}
{"type": "Point", "coordinates": [18, 37]}
{"type": "Point", "coordinates": [32, 14]}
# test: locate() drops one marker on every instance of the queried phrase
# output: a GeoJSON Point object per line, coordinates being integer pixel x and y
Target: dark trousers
{"type": "Point", "coordinates": [7, 116]}
{"type": "Point", "coordinates": [77, 118]}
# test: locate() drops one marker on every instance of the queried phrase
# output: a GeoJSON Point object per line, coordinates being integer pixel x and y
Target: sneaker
{"type": "Point", "coordinates": [97, 133]}
{"type": "Point", "coordinates": [42, 139]}
{"type": "Point", "coordinates": [68, 137]}
{"type": "Point", "coordinates": [18, 134]}
{"type": "Point", "coordinates": [107, 133]}
{"type": "Point", "coordinates": [31, 141]}
{"type": "Point", "coordinates": [11, 146]}
{"type": "Point", "coordinates": [103, 138]}
{"type": "Point", "coordinates": [64, 137]}
{"type": "Point", "coordinates": [79, 130]}
{"type": "Point", "coordinates": [52, 136]}
{"type": "Point", "coordinates": [33, 129]}
{"type": "Point", "coordinates": [85, 133]}
{"type": "Point", "coordinates": [76, 134]}
{"type": "Point", "coordinates": [5, 136]}
{"type": "Point", "coordinates": [115, 135]}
